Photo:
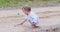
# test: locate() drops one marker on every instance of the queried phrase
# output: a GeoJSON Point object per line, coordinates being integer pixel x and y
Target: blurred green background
{"type": "Point", "coordinates": [7, 3]}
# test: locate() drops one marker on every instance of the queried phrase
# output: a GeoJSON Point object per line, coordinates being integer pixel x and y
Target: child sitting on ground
{"type": "Point", "coordinates": [31, 17]}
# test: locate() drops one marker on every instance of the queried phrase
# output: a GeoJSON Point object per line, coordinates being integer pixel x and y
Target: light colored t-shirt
{"type": "Point", "coordinates": [32, 18]}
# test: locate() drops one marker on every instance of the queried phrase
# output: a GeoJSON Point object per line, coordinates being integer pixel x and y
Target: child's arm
{"type": "Point", "coordinates": [23, 22]}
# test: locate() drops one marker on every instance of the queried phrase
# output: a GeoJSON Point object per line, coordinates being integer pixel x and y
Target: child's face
{"type": "Point", "coordinates": [25, 11]}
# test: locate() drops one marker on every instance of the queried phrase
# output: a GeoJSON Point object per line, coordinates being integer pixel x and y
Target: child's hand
{"type": "Point", "coordinates": [21, 24]}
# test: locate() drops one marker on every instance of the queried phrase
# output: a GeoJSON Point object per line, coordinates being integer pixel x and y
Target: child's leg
{"type": "Point", "coordinates": [33, 25]}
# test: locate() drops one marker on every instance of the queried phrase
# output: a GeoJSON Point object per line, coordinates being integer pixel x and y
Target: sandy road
{"type": "Point", "coordinates": [49, 20]}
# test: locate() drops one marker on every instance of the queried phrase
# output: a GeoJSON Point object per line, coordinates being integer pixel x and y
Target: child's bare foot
{"type": "Point", "coordinates": [35, 26]}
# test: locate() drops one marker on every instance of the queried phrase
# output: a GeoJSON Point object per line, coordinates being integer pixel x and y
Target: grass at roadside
{"type": "Point", "coordinates": [7, 3]}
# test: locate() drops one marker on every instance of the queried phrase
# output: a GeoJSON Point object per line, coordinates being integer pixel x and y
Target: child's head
{"type": "Point", "coordinates": [26, 9]}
